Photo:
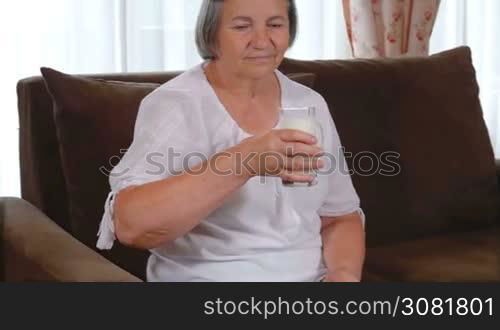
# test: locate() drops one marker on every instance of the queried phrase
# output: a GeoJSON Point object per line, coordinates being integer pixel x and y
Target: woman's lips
{"type": "Point", "coordinates": [260, 58]}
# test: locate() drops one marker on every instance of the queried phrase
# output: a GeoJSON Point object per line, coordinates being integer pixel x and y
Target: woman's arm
{"type": "Point", "coordinates": [343, 247]}
{"type": "Point", "coordinates": [149, 215]}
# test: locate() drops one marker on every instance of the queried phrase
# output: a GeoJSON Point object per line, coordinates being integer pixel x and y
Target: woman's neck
{"type": "Point", "coordinates": [238, 86]}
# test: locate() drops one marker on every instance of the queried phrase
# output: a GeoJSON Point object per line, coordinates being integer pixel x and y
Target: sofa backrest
{"type": "Point", "coordinates": [418, 145]}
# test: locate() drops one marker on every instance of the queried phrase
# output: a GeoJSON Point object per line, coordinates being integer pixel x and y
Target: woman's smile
{"type": "Point", "coordinates": [260, 59]}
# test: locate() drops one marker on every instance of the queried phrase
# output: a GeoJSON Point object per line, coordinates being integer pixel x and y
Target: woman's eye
{"type": "Point", "coordinates": [241, 27]}
{"type": "Point", "coordinates": [276, 25]}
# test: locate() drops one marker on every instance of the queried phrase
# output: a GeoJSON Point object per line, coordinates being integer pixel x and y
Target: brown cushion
{"type": "Point", "coordinates": [464, 257]}
{"type": "Point", "coordinates": [94, 121]}
{"type": "Point", "coordinates": [304, 78]}
{"type": "Point", "coordinates": [427, 111]}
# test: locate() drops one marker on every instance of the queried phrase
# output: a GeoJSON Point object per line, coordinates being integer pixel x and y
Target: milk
{"type": "Point", "coordinates": [305, 124]}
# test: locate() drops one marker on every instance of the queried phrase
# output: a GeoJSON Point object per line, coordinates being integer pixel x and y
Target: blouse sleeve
{"type": "Point", "coordinates": [342, 197]}
{"type": "Point", "coordinates": [160, 141]}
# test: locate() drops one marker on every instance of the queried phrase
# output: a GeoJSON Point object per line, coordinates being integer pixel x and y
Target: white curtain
{"type": "Point", "coordinates": [96, 36]}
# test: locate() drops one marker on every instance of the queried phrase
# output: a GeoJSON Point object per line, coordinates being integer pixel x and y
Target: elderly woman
{"type": "Point", "coordinates": [227, 216]}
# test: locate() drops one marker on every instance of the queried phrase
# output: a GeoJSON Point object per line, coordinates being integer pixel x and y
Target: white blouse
{"type": "Point", "coordinates": [264, 231]}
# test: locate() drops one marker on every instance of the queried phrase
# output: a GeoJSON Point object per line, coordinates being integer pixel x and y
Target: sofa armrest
{"type": "Point", "coordinates": [37, 249]}
{"type": "Point", "coordinates": [497, 165]}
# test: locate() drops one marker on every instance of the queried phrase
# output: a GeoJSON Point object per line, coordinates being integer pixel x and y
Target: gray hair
{"type": "Point", "coordinates": [209, 19]}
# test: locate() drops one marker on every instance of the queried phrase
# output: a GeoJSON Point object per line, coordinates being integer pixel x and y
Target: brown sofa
{"type": "Point", "coordinates": [431, 200]}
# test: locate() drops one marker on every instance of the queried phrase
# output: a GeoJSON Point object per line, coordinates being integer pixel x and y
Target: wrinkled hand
{"type": "Point", "coordinates": [286, 153]}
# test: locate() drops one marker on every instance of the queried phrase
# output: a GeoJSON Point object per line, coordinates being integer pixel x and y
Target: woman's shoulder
{"type": "Point", "coordinates": [182, 89]}
{"type": "Point", "coordinates": [179, 97]}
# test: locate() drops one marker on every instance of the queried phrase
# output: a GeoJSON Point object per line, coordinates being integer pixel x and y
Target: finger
{"type": "Point", "coordinates": [294, 135]}
{"type": "Point", "coordinates": [299, 163]}
{"type": "Point", "coordinates": [301, 149]}
{"type": "Point", "coordinates": [296, 176]}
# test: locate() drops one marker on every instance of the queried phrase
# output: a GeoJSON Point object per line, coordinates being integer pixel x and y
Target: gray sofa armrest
{"type": "Point", "coordinates": [37, 249]}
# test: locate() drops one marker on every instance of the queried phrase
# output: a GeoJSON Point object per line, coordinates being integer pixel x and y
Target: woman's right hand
{"type": "Point", "coordinates": [286, 153]}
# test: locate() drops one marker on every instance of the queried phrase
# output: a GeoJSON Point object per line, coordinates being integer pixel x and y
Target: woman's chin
{"type": "Point", "coordinates": [257, 70]}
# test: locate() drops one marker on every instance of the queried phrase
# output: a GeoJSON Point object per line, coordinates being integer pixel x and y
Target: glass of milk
{"type": "Point", "coordinates": [304, 119]}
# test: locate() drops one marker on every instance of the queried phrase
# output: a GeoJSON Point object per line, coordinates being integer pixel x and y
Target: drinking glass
{"type": "Point", "coordinates": [304, 119]}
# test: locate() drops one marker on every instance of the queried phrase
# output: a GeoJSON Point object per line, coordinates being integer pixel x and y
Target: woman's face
{"type": "Point", "coordinates": [253, 36]}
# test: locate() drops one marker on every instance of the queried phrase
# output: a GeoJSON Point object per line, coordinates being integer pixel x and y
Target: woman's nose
{"type": "Point", "coordinates": [261, 38]}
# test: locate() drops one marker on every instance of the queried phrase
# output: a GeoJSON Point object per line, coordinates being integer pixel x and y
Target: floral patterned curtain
{"type": "Point", "coordinates": [390, 28]}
